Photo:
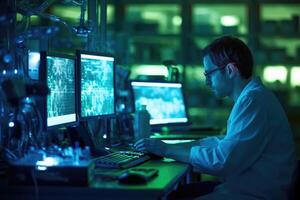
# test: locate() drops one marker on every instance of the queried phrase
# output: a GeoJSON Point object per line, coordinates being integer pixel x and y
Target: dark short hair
{"type": "Point", "coordinates": [229, 49]}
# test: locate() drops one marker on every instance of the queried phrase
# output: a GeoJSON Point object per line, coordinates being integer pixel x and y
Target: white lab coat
{"type": "Point", "coordinates": [256, 158]}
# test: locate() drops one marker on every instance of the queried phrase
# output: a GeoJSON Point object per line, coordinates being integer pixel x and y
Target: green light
{"type": "Point", "coordinates": [19, 17]}
{"type": "Point", "coordinates": [110, 13]}
{"type": "Point", "coordinates": [229, 20]}
{"type": "Point", "coordinates": [201, 11]}
{"type": "Point", "coordinates": [149, 15]}
{"type": "Point", "coordinates": [67, 12]}
{"type": "Point", "coordinates": [176, 141]}
{"type": "Point", "coordinates": [149, 70]}
{"type": "Point", "coordinates": [176, 20]}
{"type": "Point", "coordinates": [195, 73]}
{"type": "Point", "coordinates": [295, 74]}
{"type": "Point", "coordinates": [275, 73]}
{"type": "Point", "coordinates": [34, 19]}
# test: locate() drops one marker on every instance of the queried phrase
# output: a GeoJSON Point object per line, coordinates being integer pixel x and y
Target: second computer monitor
{"type": "Point", "coordinates": [164, 101]}
{"type": "Point", "coordinates": [96, 84]}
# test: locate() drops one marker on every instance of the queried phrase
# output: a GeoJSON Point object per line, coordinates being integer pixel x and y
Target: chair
{"type": "Point", "coordinates": [295, 193]}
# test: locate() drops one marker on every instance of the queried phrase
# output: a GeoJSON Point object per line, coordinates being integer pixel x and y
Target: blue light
{"type": "Point", "coordinates": [41, 168]}
{"type": "Point", "coordinates": [48, 161]}
{"type": "Point", "coordinates": [11, 124]}
{"type": "Point", "coordinates": [7, 58]}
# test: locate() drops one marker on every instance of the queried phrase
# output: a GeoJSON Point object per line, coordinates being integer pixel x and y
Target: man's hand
{"type": "Point", "coordinates": [151, 145]}
{"type": "Point", "coordinates": [179, 152]}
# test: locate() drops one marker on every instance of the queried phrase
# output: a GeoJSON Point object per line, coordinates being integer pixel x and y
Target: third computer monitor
{"type": "Point", "coordinates": [164, 101]}
{"type": "Point", "coordinates": [96, 73]}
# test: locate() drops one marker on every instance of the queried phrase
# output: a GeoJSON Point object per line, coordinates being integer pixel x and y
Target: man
{"type": "Point", "coordinates": [256, 158]}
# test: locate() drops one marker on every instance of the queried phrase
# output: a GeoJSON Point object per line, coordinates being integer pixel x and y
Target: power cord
{"type": "Point", "coordinates": [36, 189]}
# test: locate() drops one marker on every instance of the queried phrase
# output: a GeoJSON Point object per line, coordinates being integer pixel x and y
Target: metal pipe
{"type": "Point", "coordinates": [103, 21]}
{"type": "Point", "coordinates": [7, 31]}
{"type": "Point", "coordinates": [93, 17]}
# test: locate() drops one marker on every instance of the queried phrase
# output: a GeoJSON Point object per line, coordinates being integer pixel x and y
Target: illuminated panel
{"type": "Point", "coordinates": [33, 65]}
{"type": "Point", "coordinates": [61, 81]}
{"type": "Point", "coordinates": [164, 101]}
{"type": "Point", "coordinates": [275, 73]}
{"type": "Point", "coordinates": [149, 70]}
{"type": "Point", "coordinates": [295, 76]}
{"type": "Point", "coordinates": [97, 85]}
{"type": "Point", "coordinates": [229, 20]}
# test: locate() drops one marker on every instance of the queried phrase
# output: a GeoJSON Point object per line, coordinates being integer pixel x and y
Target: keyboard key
{"type": "Point", "coordinates": [121, 159]}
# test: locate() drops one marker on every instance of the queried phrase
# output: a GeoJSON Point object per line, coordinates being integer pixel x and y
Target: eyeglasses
{"type": "Point", "coordinates": [210, 72]}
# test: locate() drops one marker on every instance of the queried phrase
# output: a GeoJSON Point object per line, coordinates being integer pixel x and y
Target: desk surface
{"type": "Point", "coordinates": [183, 136]}
{"type": "Point", "coordinates": [170, 174]}
{"type": "Point", "coordinates": [188, 134]}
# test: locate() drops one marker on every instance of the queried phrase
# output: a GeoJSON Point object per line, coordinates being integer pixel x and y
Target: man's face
{"type": "Point", "coordinates": [216, 78]}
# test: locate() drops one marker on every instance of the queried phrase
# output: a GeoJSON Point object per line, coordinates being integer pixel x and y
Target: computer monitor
{"type": "Point", "coordinates": [96, 73]}
{"type": "Point", "coordinates": [60, 105]}
{"type": "Point", "coordinates": [33, 65]}
{"type": "Point", "coordinates": [164, 101]}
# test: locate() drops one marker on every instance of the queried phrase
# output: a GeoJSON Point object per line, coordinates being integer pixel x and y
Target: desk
{"type": "Point", "coordinates": [170, 174]}
{"type": "Point", "coordinates": [188, 135]}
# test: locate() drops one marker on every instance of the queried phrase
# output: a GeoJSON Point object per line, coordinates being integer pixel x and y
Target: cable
{"type": "Point", "coordinates": [30, 113]}
{"type": "Point", "coordinates": [53, 18]}
{"type": "Point", "coordinates": [78, 3]}
{"type": "Point", "coordinates": [25, 133]}
{"type": "Point", "coordinates": [44, 5]}
{"type": "Point", "coordinates": [56, 19]}
{"type": "Point", "coordinates": [9, 155]}
{"type": "Point", "coordinates": [35, 183]}
{"type": "Point", "coordinates": [82, 12]}
{"type": "Point", "coordinates": [82, 30]}
{"type": "Point", "coordinates": [39, 121]}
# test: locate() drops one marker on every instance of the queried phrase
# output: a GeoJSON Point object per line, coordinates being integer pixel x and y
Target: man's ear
{"type": "Point", "coordinates": [232, 70]}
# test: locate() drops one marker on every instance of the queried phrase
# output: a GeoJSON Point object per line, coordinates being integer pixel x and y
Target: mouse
{"type": "Point", "coordinates": [155, 157]}
{"type": "Point", "coordinates": [132, 178]}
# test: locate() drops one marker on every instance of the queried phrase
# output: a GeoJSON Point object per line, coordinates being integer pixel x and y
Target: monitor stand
{"type": "Point", "coordinates": [92, 139]}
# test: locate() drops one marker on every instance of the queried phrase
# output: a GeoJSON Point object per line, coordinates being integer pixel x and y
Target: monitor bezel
{"type": "Point", "coordinates": [78, 73]}
{"type": "Point", "coordinates": [43, 77]}
{"type": "Point", "coordinates": [171, 124]}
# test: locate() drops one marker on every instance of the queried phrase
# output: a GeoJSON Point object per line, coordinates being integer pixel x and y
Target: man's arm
{"type": "Point", "coordinates": [246, 138]}
{"type": "Point", "coordinates": [179, 152]}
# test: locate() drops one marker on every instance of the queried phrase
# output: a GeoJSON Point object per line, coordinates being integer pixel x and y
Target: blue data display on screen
{"type": "Point", "coordinates": [61, 107]}
{"type": "Point", "coordinates": [164, 101]}
{"type": "Point", "coordinates": [97, 85]}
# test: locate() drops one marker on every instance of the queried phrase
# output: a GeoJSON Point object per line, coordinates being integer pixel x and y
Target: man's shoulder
{"type": "Point", "coordinates": [257, 92]}
{"type": "Point", "coordinates": [261, 98]}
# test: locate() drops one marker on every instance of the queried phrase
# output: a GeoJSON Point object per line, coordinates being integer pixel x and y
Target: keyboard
{"type": "Point", "coordinates": [121, 159]}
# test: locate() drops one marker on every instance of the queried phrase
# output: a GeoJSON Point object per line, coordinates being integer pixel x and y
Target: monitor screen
{"type": "Point", "coordinates": [96, 84]}
{"type": "Point", "coordinates": [33, 65]}
{"type": "Point", "coordinates": [164, 101]}
{"type": "Point", "coordinates": [61, 102]}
